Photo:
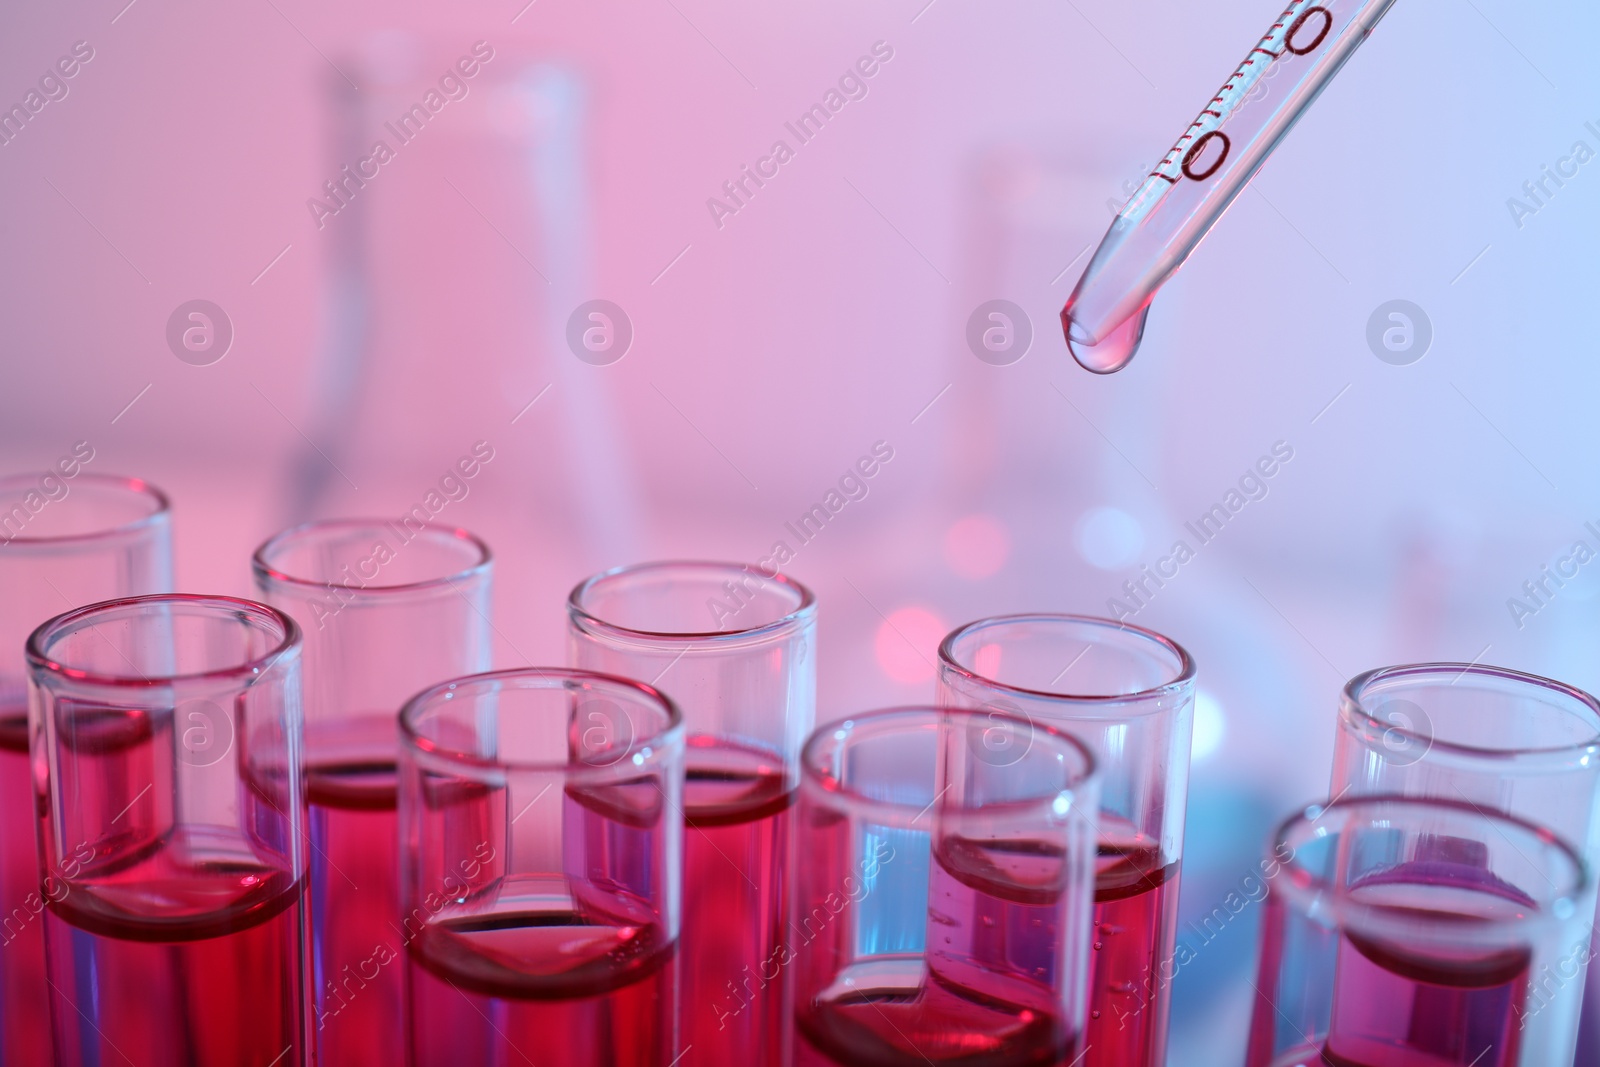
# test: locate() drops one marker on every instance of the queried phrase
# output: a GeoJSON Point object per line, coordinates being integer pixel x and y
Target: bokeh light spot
{"type": "Point", "coordinates": [1109, 538]}
{"type": "Point", "coordinates": [907, 642]}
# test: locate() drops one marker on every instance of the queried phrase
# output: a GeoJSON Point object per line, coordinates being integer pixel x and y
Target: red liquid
{"type": "Point", "coordinates": [572, 971]}
{"type": "Point", "coordinates": [24, 995]}
{"type": "Point", "coordinates": [187, 955]}
{"type": "Point", "coordinates": [1397, 1005]}
{"type": "Point", "coordinates": [1135, 930]}
{"type": "Point", "coordinates": [984, 998]}
{"type": "Point", "coordinates": [461, 1014]}
{"type": "Point", "coordinates": [735, 986]}
{"type": "Point", "coordinates": [167, 944]}
{"type": "Point", "coordinates": [357, 986]}
{"type": "Point", "coordinates": [357, 990]}
{"type": "Point", "coordinates": [1437, 1004]}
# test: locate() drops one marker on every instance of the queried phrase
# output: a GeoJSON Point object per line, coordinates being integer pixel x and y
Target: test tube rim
{"type": "Point", "coordinates": [1352, 708]}
{"type": "Point", "coordinates": [803, 613]}
{"type": "Point", "coordinates": [42, 665]}
{"type": "Point", "coordinates": [267, 575]}
{"type": "Point", "coordinates": [1330, 904]}
{"type": "Point", "coordinates": [161, 514]}
{"type": "Point", "coordinates": [814, 776]}
{"type": "Point", "coordinates": [1152, 696]}
{"type": "Point", "coordinates": [412, 743]}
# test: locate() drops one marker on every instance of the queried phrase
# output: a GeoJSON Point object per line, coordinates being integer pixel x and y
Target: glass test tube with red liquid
{"type": "Point", "coordinates": [167, 731]}
{"type": "Point", "coordinates": [387, 608]}
{"type": "Point", "coordinates": [1500, 739]}
{"type": "Point", "coordinates": [67, 538]}
{"type": "Point", "coordinates": [1128, 693]}
{"type": "Point", "coordinates": [735, 648]}
{"type": "Point", "coordinates": [1404, 932]}
{"type": "Point", "coordinates": [541, 871]}
{"type": "Point", "coordinates": [941, 915]}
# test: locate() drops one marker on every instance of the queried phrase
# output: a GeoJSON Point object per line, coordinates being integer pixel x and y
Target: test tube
{"type": "Point", "coordinates": [735, 648]}
{"type": "Point", "coordinates": [1129, 694]}
{"type": "Point", "coordinates": [67, 538]}
{"type": "Point", "coordinates": [166, 738]}
{"type": "Point", "coordinates": [541, 871]}
{"type": "Point", "coordinates": [1407, 931]}
{"type": "Point", "coordinates": [387, 609]}
{"type": "Point", "coordinates": [941, 915]}
{"type": "Point", "coordinates": [1494, 738]}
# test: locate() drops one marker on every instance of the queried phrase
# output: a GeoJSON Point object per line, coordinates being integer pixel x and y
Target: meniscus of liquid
{"type": "Point", "coordinates": [1209, 166]}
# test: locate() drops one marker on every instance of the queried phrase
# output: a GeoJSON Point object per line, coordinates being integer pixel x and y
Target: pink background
{"type": "Point", "coordinates": [771, 352]}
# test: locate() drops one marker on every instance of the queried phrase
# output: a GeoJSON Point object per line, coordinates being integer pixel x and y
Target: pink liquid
{"type": "Point", "coordinates": [735, 986]}
{"type": "Point", "coordinates": [1397, 1005]}
{"type": "Point", "coordinates": [1115, 351]}
{"type": "Point", "coordinates": [572, 971]}
{"type": "Point", "coordinates": [24, 996]}
{"type": "Point", "coordinates": [188, 955]}
{"type": "Point", "coordinates": [984, 996]}
{"type": "Point", "coordinates": [468, 1008]}
{"type": "Point", "coordinates": [357, 985]}
{"type": "Point", "coordinates": [1428, 1005]}
{"type": "Point", "coordinates": [354, 894]}
{"type": "Point", "coordinates": [1135, 929]}
{"type": "Point", "coordinates": [167, 943]}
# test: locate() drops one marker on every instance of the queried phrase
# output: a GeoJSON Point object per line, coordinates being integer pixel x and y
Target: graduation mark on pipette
{"type": "Point", "coordinates": [1210, 165]}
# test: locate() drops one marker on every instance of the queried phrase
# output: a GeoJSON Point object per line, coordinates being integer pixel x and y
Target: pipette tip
{"type": "Point", "coordinates": [1109, 355]}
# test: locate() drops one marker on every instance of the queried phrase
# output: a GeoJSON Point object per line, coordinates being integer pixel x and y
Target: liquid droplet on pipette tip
{"type": "Point", "coordinates": [1115, 351]}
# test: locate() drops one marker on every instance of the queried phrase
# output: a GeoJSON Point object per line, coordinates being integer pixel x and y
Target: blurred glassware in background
{"type": "Point", "coordinates": [541, 870]}
{"type": "Point", "coordinates": [1498, 740]}
{"type": "Point", "coordinates": [70, 538]}
{"type": "Point", "coordinates": [1129, 694]}
{"type": "Point", "coordinates": [735, 647]}
{"type": "Point", "coordinates": [386, 609]}
{"type": "Point", "coordinates": [167, 731]}
{"type": "Point", "coordinates": [499, 175]}
{"type": "Point", "coordinates": [1411, 932]}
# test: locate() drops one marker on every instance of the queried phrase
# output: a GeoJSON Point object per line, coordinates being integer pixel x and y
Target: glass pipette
{"type": "Point", "coordinates": [1209, 166]}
